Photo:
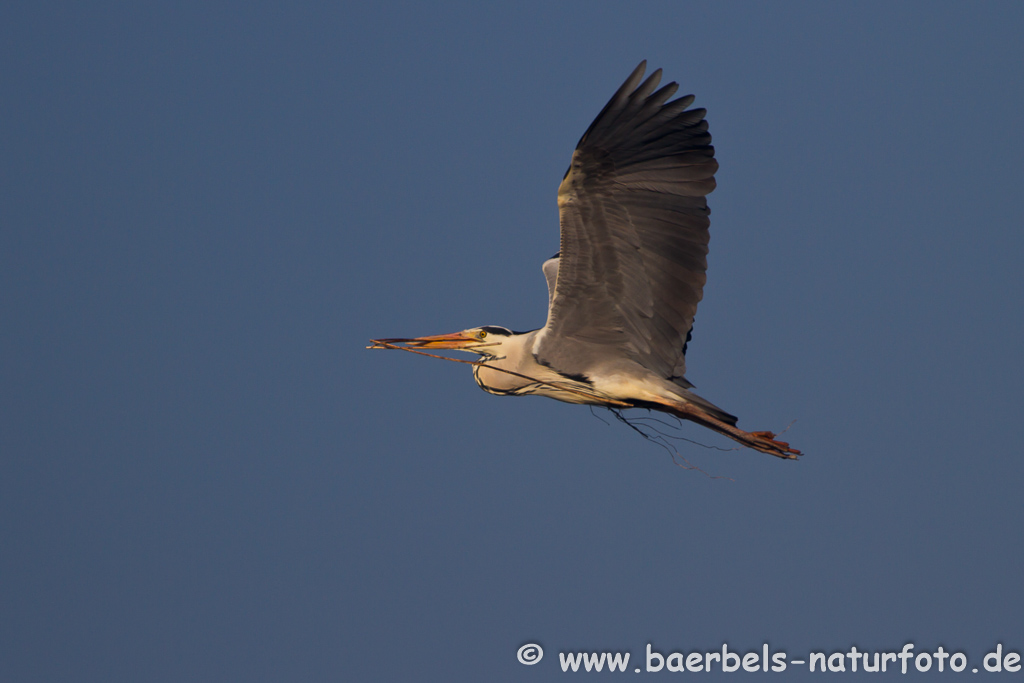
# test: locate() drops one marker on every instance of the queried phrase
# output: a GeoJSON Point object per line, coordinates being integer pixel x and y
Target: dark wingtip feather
{"type": "Point", "coordinates": [618, 98]}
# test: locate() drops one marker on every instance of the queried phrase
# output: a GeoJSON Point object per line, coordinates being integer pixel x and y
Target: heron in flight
{"type": "Point", "coordinates": [623, 288]}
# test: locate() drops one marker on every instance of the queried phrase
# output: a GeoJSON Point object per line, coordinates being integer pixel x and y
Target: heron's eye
{"type": "Point", "coordinates": [481, 334]}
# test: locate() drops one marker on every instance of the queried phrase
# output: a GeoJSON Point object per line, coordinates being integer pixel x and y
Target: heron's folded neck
{"type": "Point", "coordinates": [512, 369]}
{"type": "Point", "coordinates": [515, 370]}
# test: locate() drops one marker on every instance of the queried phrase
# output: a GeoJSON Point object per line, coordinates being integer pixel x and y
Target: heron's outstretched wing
{"type": "Point", "coordinates": [634, 233]}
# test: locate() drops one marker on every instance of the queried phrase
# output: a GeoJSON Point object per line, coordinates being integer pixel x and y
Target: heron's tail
{"type": "Point", "coordinates": [759, 441]}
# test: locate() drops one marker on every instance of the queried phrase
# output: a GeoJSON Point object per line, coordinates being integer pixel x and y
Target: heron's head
{"type": "Point", "coordinates": [486, 341]}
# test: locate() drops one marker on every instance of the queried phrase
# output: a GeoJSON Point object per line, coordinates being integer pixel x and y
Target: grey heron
{"type": "Point", "coordinates": [623, 288]}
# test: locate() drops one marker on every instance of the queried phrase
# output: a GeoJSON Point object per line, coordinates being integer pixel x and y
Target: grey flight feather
{"type": "Point", "coordinates": [634, 222]}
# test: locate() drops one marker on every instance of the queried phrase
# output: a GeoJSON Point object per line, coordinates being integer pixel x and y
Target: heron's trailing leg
{"type": "Point", "coordinates": [759, 441]}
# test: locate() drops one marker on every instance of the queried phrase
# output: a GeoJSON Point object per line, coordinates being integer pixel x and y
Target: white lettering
{"type": "Point", "coordinates": [853, 655]}
{"type": "Point", "coordinates": [570, 660]}
{"type": "Point", "coordinates": [998, 656]}
{"type": "Point", "coordinates": [618, 661]}
{"type": "Point", "coordinates": [726, 655]}
{"type": "Point", "coordinates": [906, 654]}
{"type": "Point", "coordinates": [591, 661]}
{"type": "Point", "coordinates": [651, 654]}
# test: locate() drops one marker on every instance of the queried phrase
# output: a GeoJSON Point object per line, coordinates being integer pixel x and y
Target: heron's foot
{"type": "Point", "coordinates": [766, 443]}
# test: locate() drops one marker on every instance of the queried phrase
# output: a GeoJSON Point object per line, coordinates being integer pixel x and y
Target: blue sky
{"type": "Point", "coordinates": [207, 209]}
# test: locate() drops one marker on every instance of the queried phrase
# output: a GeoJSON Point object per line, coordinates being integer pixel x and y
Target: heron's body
{"type": "Point", "coordinates": [514, 368]}
{"type": "Point", "coordinates": [625, 285]}
{"type": "Point", "coordinates": [624, 380]}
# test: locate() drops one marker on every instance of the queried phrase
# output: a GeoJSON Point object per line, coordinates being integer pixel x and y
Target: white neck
{"type": "Point", "coordinates": [514, 370]}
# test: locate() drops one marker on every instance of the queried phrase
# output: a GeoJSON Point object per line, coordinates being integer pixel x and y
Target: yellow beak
{"type": "Point", "coordinates": [456, 340]}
